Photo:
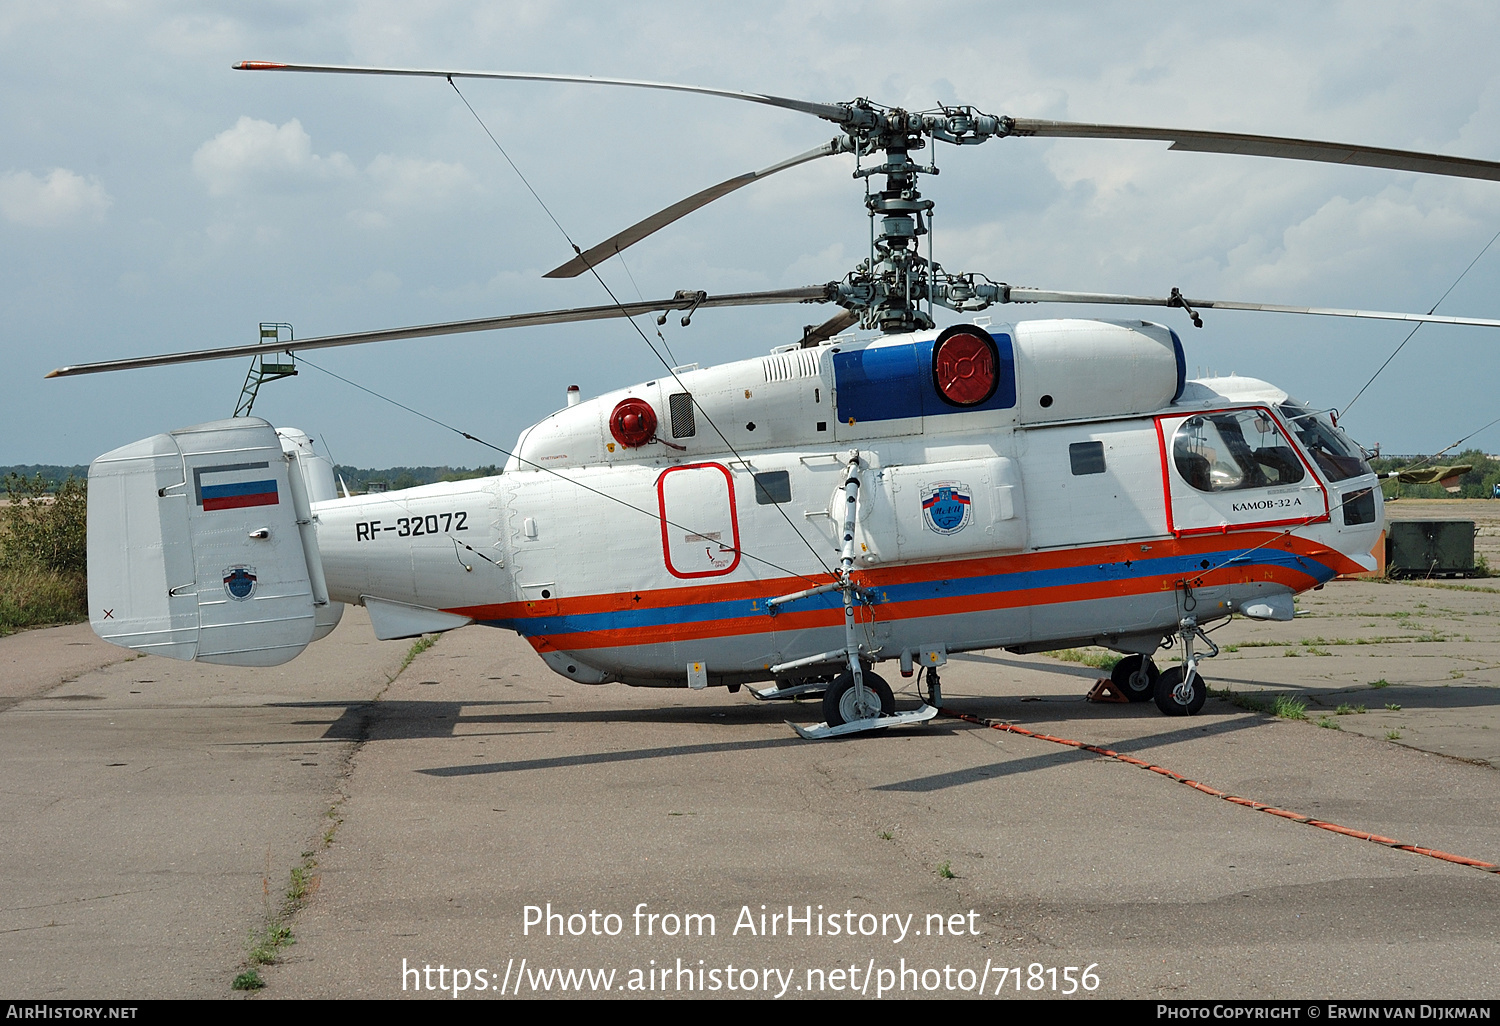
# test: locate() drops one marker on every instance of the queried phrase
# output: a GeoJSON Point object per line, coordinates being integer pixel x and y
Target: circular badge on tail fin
{"type": "Point", "coordinates": [239, 582]}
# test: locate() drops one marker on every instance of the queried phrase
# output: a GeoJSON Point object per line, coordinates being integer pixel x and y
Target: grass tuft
{"type": "Point", "coordinates": [946, 871]}
{"type": "Point", "coordinates": [419, 646]}
{"type": "Point", "coordinates": [267, 944]}
{"type": "Point", "coordinates": [1329, 723]}
{"type": "Point", "coordinates": [1095, 657]}
{"type": "Point", "coordinates": [248, 980]}
{"type": "Point", "coordinates": [1289, 708]}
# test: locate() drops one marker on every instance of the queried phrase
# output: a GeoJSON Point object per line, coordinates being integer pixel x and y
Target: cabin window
{"type": "Point", "coordinates": [1359, 507]}
{"type": "Point", "coordinates": [1227, 452]}
{"type": "Point", "coordinates": [1086, 457]}
{"type": "Point", "coordinates": [1337, 457]}
{"type": "Point", "coordinates": [772, 487]}
{"type": "Point", "coordinates": [681, 408]}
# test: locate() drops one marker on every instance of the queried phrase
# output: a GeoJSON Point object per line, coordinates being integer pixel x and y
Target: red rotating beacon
{"type": "Point", "coordinates": [964, 364]}
{"type": "Point", "coordinates": [633, 423]}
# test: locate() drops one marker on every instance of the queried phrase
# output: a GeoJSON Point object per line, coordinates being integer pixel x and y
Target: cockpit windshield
{"type": "Point", "coordinates": [1336, 455]}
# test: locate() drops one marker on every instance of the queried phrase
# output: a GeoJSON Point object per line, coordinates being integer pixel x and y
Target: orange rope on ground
{"type": "Point", "coordinates": [1295, 817]}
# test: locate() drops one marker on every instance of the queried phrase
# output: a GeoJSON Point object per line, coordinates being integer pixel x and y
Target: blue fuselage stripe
{"type": "Point", "coordinates": [941, 587]}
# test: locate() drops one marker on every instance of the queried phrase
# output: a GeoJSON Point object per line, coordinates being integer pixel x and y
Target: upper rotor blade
{"type": "Point", "coordinates": [1022, 295]}
{"type": "Point", "coordinates": [831, 112]}
{"type": "Point", "coordinates": [681, 301]}
{"type": "Point", "coordinates": [596, 255]}
{"type": "Point", "coordinates": [1268, 146]}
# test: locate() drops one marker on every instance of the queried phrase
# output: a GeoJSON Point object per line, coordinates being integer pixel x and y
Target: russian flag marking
{"type": "Point", "coordinates": [240, 495]}
{"type": "Point", "coordinates": [235, 486]}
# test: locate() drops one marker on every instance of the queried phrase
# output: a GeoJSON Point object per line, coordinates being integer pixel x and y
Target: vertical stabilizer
{"type": "Point", "coordinates": [195, 550]}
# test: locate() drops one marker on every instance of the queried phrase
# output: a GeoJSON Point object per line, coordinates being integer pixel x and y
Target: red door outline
{"type": "Point", "coordinates": [1254, 525]}
{"type": "Point", "coordinates": [666, 542]}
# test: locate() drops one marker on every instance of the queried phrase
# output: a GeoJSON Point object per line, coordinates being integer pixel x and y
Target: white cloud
{"type": "Point", "coordinates": [256, 155]}
{"type": "Point", "coordinates": [62, 198]}
{"type": "Point", "coordinates": [404, 181]}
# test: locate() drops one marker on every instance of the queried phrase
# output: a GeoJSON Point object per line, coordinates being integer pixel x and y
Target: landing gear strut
{"type": "Point", "coordinates": [1180, 690]}
{"type": "Point", "coordinates": [858, 699]}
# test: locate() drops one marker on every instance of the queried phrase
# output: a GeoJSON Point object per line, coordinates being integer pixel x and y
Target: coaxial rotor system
{"type": "Point", "coordinates": [896, 288]}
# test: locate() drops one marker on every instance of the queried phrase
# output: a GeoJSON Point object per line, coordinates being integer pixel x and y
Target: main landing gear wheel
{"type": "Point", "coordinates": [1135, 676]}
{"type": "Point", "coordinates": [841, 702]}
{"type": "Point", "coordinates": [1167, 699]}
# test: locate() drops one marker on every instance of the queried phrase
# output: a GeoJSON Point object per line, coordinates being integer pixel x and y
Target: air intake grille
{"type": "Point", "coordinates": [801, 363]}
{"type": "Point", "coordinates": [681, 407]}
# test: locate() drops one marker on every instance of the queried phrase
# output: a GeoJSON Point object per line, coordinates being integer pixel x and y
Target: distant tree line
{"type": "Point", "coordinates": [395, 478]}
{"type": "Point", "coordinates": [1478, 483]}
{"type": "Point", "coordinates": [358, 479]}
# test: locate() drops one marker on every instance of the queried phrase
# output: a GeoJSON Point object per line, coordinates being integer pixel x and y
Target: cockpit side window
{"type": "Point", "coordinates": [1337, 457]}
{"type": "Point", "coordinates": [1234, 450]}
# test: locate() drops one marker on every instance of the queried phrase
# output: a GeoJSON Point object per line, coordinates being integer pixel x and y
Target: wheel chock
{"type": "Point", "coordinates": [823, 730]}
{"type": "Point", "coordinates": [1105, 691]}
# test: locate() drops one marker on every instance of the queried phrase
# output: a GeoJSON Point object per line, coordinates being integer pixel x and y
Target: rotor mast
{"type": "Point", "coordinates": [894, 289]}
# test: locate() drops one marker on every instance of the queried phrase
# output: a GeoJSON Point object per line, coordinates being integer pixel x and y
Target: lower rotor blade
{"type": "Point", "coordinates": [1269, 146]}
{"type": "Point", "coordinates": [1021, 295]}
{"type": "Point", "coordinates": [813, 337]}
{"type": "Point", "coordinates": [681, 301]}
{"type": "Point", "coordinates": [635, 233]}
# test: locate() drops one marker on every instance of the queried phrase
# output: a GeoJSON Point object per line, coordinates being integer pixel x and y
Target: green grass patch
{"type": "Point", "coordinates": [1393, 706]}
{"type": "Point", "coordinates": [1243, 701]}
{"type": "Point", "coordinates": [43, 553]}
{"type": "Point", "coordinates": [248, 980]}
{"type": "Point", "coordinates": [1345, 709]}
{"type": "Point", "coordinates": [1448, 587]}
{"type": "Point", "coordinates": [267, 944]}
{"type": "Point", "coordinates": [1393, 735]}
{"type": "Point", "coordinates": [1099, 658]}
{"type": "Point", "coordinates": [1329, 723]}
{"type": "Point", "coordinates": [35, 596]}
{"type": "Point", "coordinates": [946, 871]}
{"type": "Point", "coordinates": [1288, 708]}
{"type": "Point", "coordinates": [419, 646]}
{"type": "Point", "coordinates": [1381, 683]}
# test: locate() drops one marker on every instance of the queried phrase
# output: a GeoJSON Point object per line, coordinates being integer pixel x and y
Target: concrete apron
{"type": "Point", "coordinates": [147, 812]}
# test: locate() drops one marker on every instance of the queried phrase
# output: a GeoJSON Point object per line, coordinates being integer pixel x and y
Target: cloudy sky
{"type": "Point", "coordinates": [151, 199]}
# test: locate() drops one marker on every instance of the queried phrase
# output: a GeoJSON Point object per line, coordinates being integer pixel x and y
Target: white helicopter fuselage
{"type": "Point", "coordinates": [1095, 497]}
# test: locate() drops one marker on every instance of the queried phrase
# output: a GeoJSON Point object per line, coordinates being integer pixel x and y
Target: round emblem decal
{"type": "Point", "coordinates": [947, 506]}
{"type": "Point", "coordinates": [239, 582]}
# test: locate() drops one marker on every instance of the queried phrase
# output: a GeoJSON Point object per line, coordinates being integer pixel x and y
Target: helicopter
{"type": "Point", "coordinates": [880, 490]}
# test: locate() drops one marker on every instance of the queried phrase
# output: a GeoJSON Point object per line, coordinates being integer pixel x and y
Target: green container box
{"type": "Point", "coordinates": [1429, 548]}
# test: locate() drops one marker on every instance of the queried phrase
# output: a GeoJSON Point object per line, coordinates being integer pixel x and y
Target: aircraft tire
{"type": "Point", "coordinates": [838, 700]}
{"type": "Point", "coordinates": [1167, 702]}
{"type": "Point", "coordinates": [1136, 677]}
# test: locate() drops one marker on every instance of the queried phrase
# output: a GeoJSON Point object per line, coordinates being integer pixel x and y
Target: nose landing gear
{"type": "Point", "coordinates": [1180, 690]}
